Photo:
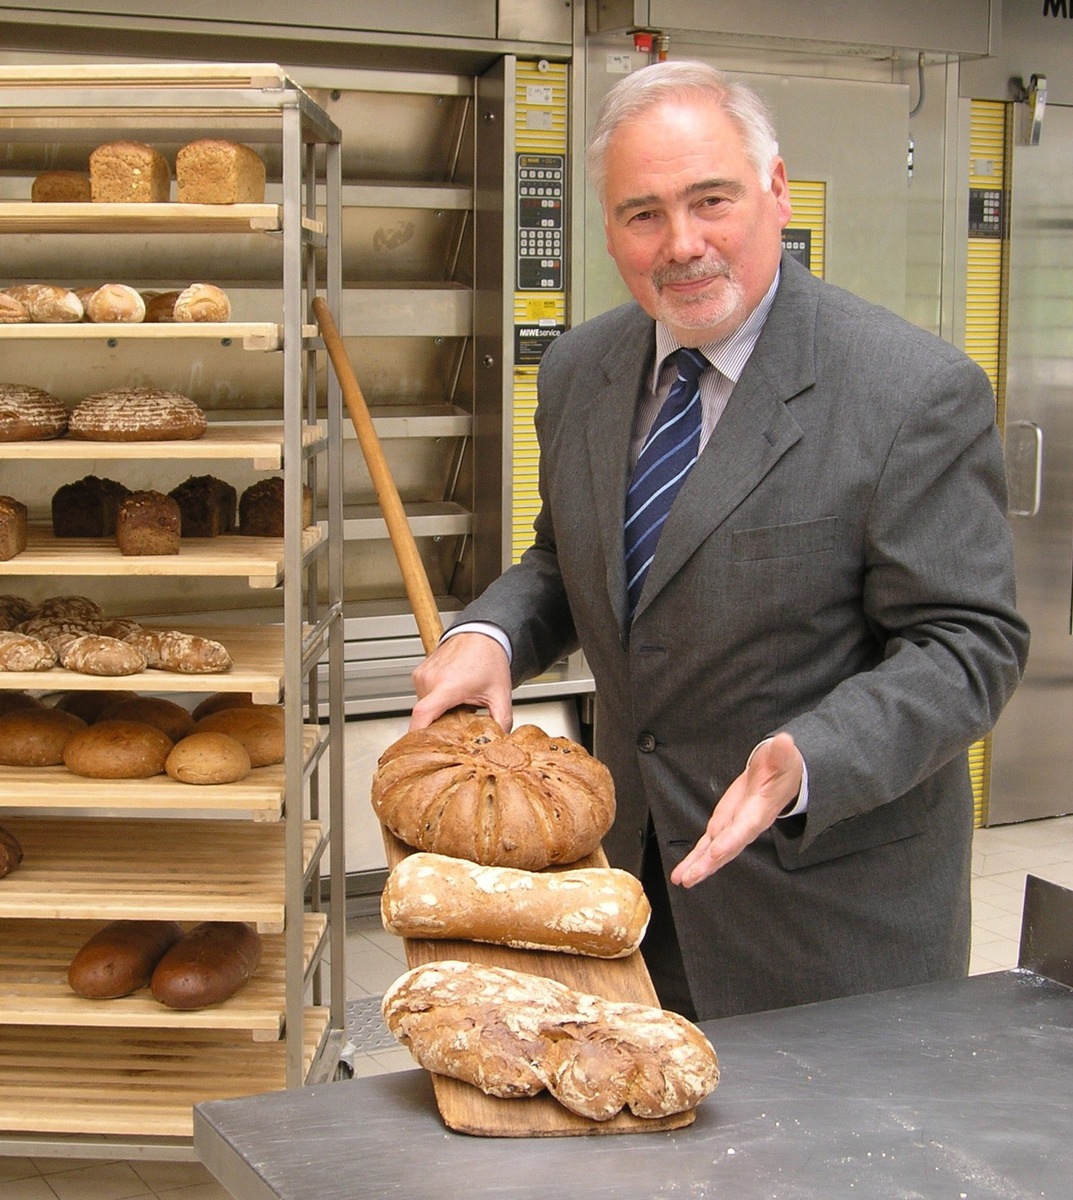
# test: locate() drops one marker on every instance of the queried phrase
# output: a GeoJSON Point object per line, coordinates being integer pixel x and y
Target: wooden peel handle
{"type": "Point", "coordinates": [414, 576]}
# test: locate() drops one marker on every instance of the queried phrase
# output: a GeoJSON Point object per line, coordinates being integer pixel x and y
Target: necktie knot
{"type": "Point", "coordinates": [689, 363]}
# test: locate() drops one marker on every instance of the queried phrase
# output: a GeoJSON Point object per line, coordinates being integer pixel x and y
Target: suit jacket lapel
{"type": "Point", "coordinates": [610, 418]}
{"type": "Point", "coordinates": [754, 432]}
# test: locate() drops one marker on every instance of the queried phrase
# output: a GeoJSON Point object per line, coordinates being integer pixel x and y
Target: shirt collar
{"type": "Point", "coordinates": [730, 354]}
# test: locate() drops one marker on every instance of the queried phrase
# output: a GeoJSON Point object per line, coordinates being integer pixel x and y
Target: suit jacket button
{"type": "Point", "coordinates": [646, 743]}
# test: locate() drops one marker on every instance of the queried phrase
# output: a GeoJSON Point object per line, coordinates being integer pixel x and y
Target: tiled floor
{"type": "Point", "coordinates": [1001, 858]}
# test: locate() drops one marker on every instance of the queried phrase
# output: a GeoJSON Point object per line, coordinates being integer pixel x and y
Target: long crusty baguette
{"type": "Point", "coordinates": [598, 911]}
{"type": "Point", "coordinates": [512, 1034]}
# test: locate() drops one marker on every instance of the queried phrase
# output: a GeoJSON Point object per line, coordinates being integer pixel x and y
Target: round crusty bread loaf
{"type": "Point", "coordinates": [12, 311]}
{"type": "Point", "coordinates": [14, 610]}
{"type": "Point", "coordinates": [115, 302]}
{"type": "Point", "coordinates": [29, 414]}
{"type": "Point", "coordinates": [69, 608]}
{"type": "Point", "coordinates": [89, 704]}
{"type": "Point", "coordinates": [36, 737]}
{"type": "Point", "coordinates": [208, 757]}
{"type": "Point", "coordinates": [167, 715]}
{"type": "Point", "coordinates": [137, 414]}
{"type": "Point", "coordinates": [202, 302]}
{"type": "Point", "coordinates": [117, 750]}
{"type": "Point", "coordinates": [185, 653]}
{"type": "Point", "coordinates": [21, 652]}
{"type": "Point", "coordinates": [10, 701]}
{"type": "Point", "coordinates": [221, 700]}
{"type": "Point", "coordinates": [259, 728]}
{"type": "Point", "coordinates": [48, 303]}
{"type": "Point", "coordinates": [464, 788]}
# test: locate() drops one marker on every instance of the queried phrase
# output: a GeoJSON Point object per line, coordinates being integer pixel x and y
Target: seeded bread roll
{"type": "Point", "coordinates": [29, 414]}
{"type": "Point", "coordinates": [207, 965]}
{"type": "Point", "coordinates": [148, 523]}
{"type": "Point", "coordinates": [217, 171]}
{"type": "Point", "coordinates": [202, 302]}
{"type": "Point", "coordinates": [258, 728]}
{"type": "Point", "coordinates": [512, 1034]}
{"type": "Point", "coordinates": [120, 958]}
{"type": "Point", "coordinates": [36, 737]}
{"type": "Point", "coordinates": [93, 654]}
{"type": "Point", "coordinates": [166, 715]}
{"type": "Point", "coordinates": [20, 652]}
{"type": "Point", "coordinates": [88, 507]}
{"type": "Point", "coordinates": [187, 653]}
{"type": "Point", "coordinates": [48, 303]}
{"type": "Point", "coordinates": [137, 414]}
{"type": "Point", "coordinates": [115, 302]}
{"type": "Point", "coordinates": [129, 173]}
{"type": "Point", "coordinates": [61, 187]}
{"type": "Point", "coordinates": [13, 527]}
{"type": "Point", "coordinates": [208, 757]}
{"type": "Point", "coordinates": [117, 750]}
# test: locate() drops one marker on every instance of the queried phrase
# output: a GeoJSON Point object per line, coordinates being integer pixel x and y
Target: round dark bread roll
{"type": "Point", "coordinates": [117, 750]}
{"type": "Point", "coordinates": [167, 715]}
{"type": "Point", "coordinates": [221, 700]}
{"type": "Point", "coordinates": [36, 737]}
{"type": "Point", "coordinates": [208, 757]}
{"type": "Point", "coordinates": [259, 728]}
{"type": "Point", "coordinates": [90, 703]}
{"type": "Point", "coordinates": [10, 701]}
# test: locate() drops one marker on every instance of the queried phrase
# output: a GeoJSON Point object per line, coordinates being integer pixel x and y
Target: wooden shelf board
{"type": "Point", "coordinates": [41, 791]}
{"type": "Point", "coordinates": [141, 75]}
{"type": "Point", "coordinates": [35, 955]}
{"type": "Point", "coordinates": [260, 443]}
{"type": "Point", "coordinates": [188, 870]}
{"type": "Point", "coordinates": [260, 560]}
{"type": "Point", "coordinates": [22, 216]}
{"type": "Point", "coordinates": [256, 651]}
{"type": "Point", "coordinates": [142, 1083]}
{"type": "Point", "coordinates": [254, 335]}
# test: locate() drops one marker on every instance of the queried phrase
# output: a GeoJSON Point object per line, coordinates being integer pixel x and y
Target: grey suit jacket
{"type": "Point", "coordinates": [838, 564]}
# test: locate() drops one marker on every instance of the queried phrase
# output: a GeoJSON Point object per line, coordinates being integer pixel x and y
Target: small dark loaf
{"type": "Point", "coordinates": [120, 958]}
{"type": "Point", "coordinates": [207, 965]}
{"type": "Point", "coordinates": [513, 1034]}
{"type": "Point", "coordinates": [207, 504]}
{"type": "Point", "coordinates": [464, 788]}
{"type": "Point", "coordinates": [87, 507]}
{"type": "Point", "coordinates": [148, 522]}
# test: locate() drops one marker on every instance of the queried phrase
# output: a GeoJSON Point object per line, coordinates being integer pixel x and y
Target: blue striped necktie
{"type": "Point", "coordinates": [670, 449]}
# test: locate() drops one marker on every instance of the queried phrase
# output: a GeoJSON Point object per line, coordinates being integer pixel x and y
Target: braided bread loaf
{"type": "Point", "coordinates": [464, 788]}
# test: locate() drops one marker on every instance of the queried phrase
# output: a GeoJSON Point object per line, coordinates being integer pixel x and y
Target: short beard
{"type": "Point", "coordinates": [701, 312]}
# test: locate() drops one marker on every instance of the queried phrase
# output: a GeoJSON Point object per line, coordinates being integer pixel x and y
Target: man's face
{"type": "Point", "coordinates": [695, 236]}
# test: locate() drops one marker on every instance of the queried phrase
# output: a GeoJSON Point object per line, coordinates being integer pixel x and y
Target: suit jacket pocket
{"type": "Point", "coordinates": [784, 541]}
{"type": "Point", "coordinates": [892, 822]}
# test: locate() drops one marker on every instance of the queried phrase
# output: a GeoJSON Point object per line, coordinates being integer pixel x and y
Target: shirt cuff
{"type": "Point", "coordinates": [488, 629]}
{"type": "Point", "coordinates": [798, 806]}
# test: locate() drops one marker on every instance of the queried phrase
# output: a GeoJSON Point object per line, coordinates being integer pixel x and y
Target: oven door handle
{"type": "Point", "coordinates": [1024, 467]}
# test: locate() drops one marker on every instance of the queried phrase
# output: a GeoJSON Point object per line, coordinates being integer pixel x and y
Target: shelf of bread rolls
{"type": "Point", "coordinates": [67, 217]}
{"type": "Point", "coordinates": [56, 791]}
{"type": "Point", "coordinates": [35, 956]}
{"type": "Point", "coordinates": [144, 1083]}
{"type": "Point", "coordinates": [258, 559]}
{"type": "Point", "coordinates": [256, 652]}
{"type": "Point", "coordinates": [260, 443]}
{"type": "Point", "coordinates": [111, 869]}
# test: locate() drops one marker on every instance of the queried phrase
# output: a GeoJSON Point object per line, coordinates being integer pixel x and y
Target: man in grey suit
{"type": "Point", "coordinates": [827, 622]}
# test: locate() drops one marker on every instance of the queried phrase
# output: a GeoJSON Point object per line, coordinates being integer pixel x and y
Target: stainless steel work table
{"type": "Point", "coordinates": [949, 1091]}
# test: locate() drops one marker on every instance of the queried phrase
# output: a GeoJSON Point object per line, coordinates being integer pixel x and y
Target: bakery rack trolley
{"type": "Point", "coordinates": [278, 830]}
